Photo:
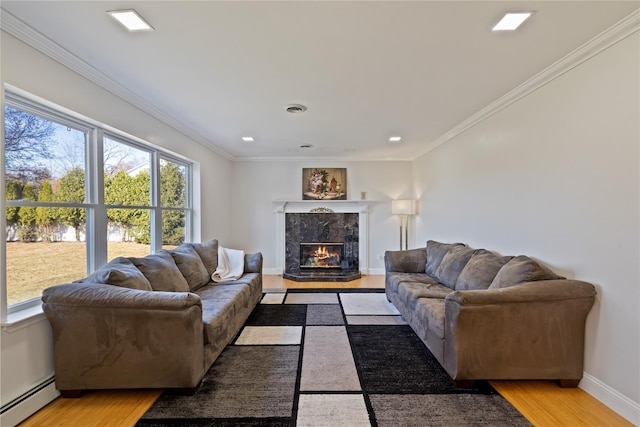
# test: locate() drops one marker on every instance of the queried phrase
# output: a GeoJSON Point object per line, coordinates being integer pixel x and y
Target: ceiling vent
{"type": "Point", "coordinates": [295, 108]}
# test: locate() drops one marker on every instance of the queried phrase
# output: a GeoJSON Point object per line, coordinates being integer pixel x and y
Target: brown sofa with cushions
{"type": "Point", "coordinates": [151, 322]}
{"type": "Point", "coordinates": [486, 317]}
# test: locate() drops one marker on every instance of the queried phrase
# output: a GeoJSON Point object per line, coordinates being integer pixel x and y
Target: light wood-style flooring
{"type": "Point", "coordinates": [544, 403]}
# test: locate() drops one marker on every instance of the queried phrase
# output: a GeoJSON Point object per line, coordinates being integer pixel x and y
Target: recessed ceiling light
{"type": "Point", "coordinates": [295, 108]}
{"type": "Point", "coordinates": [247, 138]}
{"type": "Point", "coordinates": [131, 20]}
{"type": "Point", "coordinates": [395, 139]}
{"type": "Point", "coordinates": [511, 21]}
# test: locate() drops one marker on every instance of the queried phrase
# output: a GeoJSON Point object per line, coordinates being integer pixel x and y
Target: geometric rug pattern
{"type": "Point", "coordinates": [335, 357]}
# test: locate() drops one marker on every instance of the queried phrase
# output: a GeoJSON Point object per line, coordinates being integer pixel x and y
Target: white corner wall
{"type": "Point", "coordinates": [257, 184]}
{"type": "Point", "coordinates": [556, 176]}
{"type": "Point", "coordinates": [26, 355]}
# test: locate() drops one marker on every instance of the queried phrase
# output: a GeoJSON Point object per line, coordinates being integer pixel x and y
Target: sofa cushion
{"type": "Point", "coordinates": [191, 266]}
{"type": "Point", "coordinates": [435, 252]}
{"type": "Point", "coordinates": [162, 272]}
{"type": "Point", "coordinates": [521, 269]}
{"type": "Point", "coordinates": [410, 292]}
{"type": "Point", "coordinates": [208, 252]}
{"type": "Point", "coordinates": [452, 264]}
{"type": "Point", "coordinates": [119, 272]}
{"type": "Point", "coordinates": [480, 270]}
{"type": "Point", "coordinates": [432, 311]}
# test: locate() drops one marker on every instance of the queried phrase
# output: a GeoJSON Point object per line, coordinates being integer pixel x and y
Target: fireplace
{"type": "Point", "coordinates": [321, 255]}
{"type": "Point", "coordinates": [321, 246]}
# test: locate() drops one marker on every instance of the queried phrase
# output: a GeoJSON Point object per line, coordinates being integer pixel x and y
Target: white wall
{"type": "Point", "coordinates": [27, 354]}
{"type": "Point", "coordinates": [256, 184]}
{"type": "Point", "coordinates": [556, 176]}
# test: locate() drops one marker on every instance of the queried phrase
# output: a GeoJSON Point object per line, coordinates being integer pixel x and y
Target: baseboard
{"type": "Point", "coordinates": [29, 403]}
{"type": "Point", "coordinates": [376, 272]}
{"type": "Point", "coordinates": [618, 402]}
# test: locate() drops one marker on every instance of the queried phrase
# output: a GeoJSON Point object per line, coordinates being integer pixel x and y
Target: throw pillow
{"type": "Point", "coordinates": [480, 270]}
{"type": "Point", "coordinates": [119, 272]}
{"type": "Point", "coordinates": [452, 264]}
{"type": "Point", "coordinates": [190, 265]}
{"type": "Point", "coordinates": [208, 252]}
{"type": "Point", "coordinates": [519, 270]}
{"type": "Point", "coordinates": [435, 252]}
{"type": "Point", "coordinates": [162, 272]}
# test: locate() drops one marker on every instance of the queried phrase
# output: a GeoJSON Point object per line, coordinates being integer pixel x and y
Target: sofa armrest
{"type": "Point", "coordinates": [543, 290]}
{"type": "Point", "coordinates": [410, 261]}
{"type": "Point", "coordinates": [534, 330]}
{"type": "Point", "coordinates": [253, 263]}
{"type": "Point", "coordinates": [87, 295]}
{"type": "Point", "coordinates": [106, 336]}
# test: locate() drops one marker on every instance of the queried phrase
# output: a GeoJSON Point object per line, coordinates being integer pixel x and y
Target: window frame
{"type": "Point", "coordinates": [96, 210]}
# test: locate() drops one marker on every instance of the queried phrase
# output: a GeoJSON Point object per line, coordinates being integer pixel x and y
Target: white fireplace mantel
{"type": "Point", "coordinates": [361, 207]}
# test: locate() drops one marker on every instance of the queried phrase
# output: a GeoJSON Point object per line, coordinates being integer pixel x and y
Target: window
{"type": "Point", "coordinates": [174, 203]}
{"type": "Point", "coordinates": [78, 195]}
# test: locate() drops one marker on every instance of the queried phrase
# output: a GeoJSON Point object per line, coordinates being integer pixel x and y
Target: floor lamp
{"type": "Point", "coordinates": [404, 208]}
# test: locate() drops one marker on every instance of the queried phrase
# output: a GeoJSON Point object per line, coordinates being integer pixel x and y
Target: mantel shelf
{"type": "Point", "coordinates": [283, 206]}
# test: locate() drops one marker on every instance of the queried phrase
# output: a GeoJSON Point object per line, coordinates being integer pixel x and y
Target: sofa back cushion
{"type": "Point", "coordinates": [208, 252]}
{"type": "Point", "coordinates": [191, 266]}
{"type": "Point", "coordinates": [162, 272]}
{"type": "Point", "coordinates": [435, 252]}
{"type": "Point", "coordinates": [452, 264]}
{"type": "Point", "coordinates": [119, 272]}
{"type": "Point", "coordinates": [521, 269]}
{"type": "Point", "coordinates": [480, 270]}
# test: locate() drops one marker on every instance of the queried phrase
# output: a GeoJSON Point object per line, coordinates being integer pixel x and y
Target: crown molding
{"type": "Point", "coordinates": [619, 31]}
{"type": "Point", "coordinates": [624, 28]}
{"type": "Point", "coordinates": [45, 45]}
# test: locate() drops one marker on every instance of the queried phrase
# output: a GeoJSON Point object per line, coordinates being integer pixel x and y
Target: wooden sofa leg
{"type": "Point", "coordinates": [569, 383]}
{"type": "Point", "coordinates": [187, 391]}
{"type": "Point", "coordinates": [73, 394]}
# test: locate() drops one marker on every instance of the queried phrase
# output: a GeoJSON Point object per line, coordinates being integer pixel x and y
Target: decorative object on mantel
{"type": "Point", "coordinates": [321, 210]}
{"type": "Point", "coordinates": [404, 208]}
{"type": "Point", "coordinates": [324, 184]}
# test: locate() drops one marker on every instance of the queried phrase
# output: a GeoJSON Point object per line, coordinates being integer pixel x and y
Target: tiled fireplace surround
{"type": "Point", "coordinates": [322, 221]}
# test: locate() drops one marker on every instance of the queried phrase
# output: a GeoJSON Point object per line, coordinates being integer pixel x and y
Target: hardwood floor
{"type": "Point", "coordinates": [544, 403]}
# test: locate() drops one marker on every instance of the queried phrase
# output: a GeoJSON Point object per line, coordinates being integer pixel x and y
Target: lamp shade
{"type": "Point", "coordinates": [403, 207]}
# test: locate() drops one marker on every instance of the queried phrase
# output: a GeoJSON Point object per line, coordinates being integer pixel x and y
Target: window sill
{"type": "Point", "coordinates": [23, 318]}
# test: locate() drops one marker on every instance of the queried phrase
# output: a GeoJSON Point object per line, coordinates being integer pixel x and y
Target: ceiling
{"type": "Point", "coordinates": [218, 71]}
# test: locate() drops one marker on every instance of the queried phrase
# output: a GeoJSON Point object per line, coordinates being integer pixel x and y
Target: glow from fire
{"type": "Point", "coordinates": [323, 256]}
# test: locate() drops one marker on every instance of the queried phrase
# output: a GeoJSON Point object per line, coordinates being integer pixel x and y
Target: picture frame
{"type": "Point", "coordinates": [324, 183]}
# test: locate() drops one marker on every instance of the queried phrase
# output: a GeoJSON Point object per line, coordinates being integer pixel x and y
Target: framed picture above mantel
{"type": "Point", "coordinates": [324, 184]}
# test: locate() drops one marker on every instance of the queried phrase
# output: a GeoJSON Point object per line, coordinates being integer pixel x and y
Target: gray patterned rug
{"type": "Point", "coordinates": [330, 358]}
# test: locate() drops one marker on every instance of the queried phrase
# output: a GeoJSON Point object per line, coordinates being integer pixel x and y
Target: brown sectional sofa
{"type": "Point", "coordinates": [486, 317]}
{"type": "Point", "coordinates": [151, 322]}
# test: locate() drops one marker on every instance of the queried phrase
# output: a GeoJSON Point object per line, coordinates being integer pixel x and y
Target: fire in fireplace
{"type": "Point", "coordinates": [321, 255]}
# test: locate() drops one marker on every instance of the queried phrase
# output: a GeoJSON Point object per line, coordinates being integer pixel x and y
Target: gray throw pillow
{"type": "Point", "coordinates": [190, 265]}
{"type": "Point", "coordinates": [208, 252]}
{"type": "Point", "coordinates": [521, 269]}
{"type": "Point", "coordinates": [452, 264]}
{"type": "Point", "coordinates": [119, 272]}
{"type": "Point", "coordinates": [480, 270]}
{"type": "Point", "coordinates": [162, 272]}
{"type": "Point", "coordinates": [435, 252]}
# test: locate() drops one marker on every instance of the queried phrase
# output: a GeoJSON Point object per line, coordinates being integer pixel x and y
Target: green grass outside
{"type": "Point", "coordinates": [32, 267]}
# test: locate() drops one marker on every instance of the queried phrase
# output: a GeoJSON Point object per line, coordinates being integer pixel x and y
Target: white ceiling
{"type": "Point", "coordinates": [365, 70]}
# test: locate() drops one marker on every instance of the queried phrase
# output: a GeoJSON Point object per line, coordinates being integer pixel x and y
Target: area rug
{"type": "Point", "coordinates": [334, 357]}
